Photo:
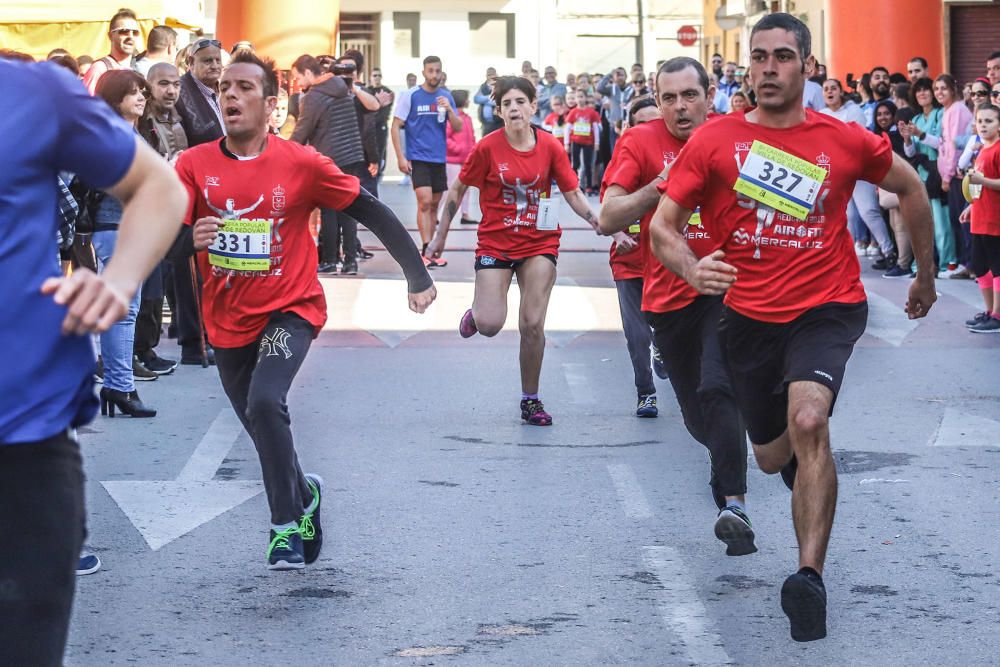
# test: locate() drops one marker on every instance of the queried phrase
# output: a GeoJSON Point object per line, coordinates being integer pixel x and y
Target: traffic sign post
{"type": "Point", "coordinates": [687, 35]}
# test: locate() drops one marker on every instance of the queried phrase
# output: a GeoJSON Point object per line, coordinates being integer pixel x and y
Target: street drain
{"type": "Point", "coordinates": [428, 651]}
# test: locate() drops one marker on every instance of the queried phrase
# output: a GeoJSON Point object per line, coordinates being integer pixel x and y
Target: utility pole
{"type": "Point", "coordinates": [638, 43]}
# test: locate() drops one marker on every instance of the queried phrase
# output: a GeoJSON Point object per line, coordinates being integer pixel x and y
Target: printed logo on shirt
{"type": "Point", "coordinates": [211, 180]}
{"type": "Point", "coordinates": [274, 342]}
{"type": "Point", "coordinates": [741, 237]}
{"type": "Point", "coordinates": [278, 201]}
{"type": "Point", "coordinates": [824, 375]}
{"type": "Point", "coordinates": [524, 197]}
{"type": "Point", "coordinates": [823, 160]}
{"type": "Point", "coordinates": [668, 158]}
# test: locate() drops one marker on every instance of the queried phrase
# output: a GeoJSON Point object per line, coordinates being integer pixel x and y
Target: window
{"type": "Point", "coordinates": [406, 34]}
{"type": "Point", "coordinates": [493, 34]}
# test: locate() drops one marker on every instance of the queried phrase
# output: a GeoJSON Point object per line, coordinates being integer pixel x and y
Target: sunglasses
{"type": "Point", "coordinates": [126, 31]}
{"type": "Point", "coordinates": [980, 93]}
{"type": "Point", "coordinates": [204, 44]}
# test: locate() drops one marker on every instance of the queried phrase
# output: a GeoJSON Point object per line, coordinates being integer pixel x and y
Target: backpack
{"type": "Point", "coordinates": [88, 200]}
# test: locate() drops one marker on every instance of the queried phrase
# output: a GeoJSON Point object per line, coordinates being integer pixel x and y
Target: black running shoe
{"type": "Point", "coordinates": [312, 529]}
{"type": "Point", "coordinates": [788, 473]}
{"type": "Point", "coordinates": [803, 599]}
{"type": "Point", "coordinates": [734, 528]}
{"type": "Point", "coordinates": [285, 551]}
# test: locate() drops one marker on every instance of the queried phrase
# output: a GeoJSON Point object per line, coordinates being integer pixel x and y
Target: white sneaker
{"type": "Point", "coordinates": [860, 249]}
{"type": "Point", "coordinates": [948, 273]}
{"type": "Point", "coordinates": [873, 251]}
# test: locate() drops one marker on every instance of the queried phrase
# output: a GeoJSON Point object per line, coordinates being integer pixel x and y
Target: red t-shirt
{"type": "Point", "coordinates": [282, 185]}
{"type": "Point", "coordinates": [556, 124]}
{"type": "Point", "coordinates": [640, 155]}
{"type": "Point", "coordinates": [986, 209]}
{"type": "Point", "coordinates": [785, 266]}
{"type": "Point", "coordinates": [580, 124]}
{"type": "Point", "coordinates": [511, 182]}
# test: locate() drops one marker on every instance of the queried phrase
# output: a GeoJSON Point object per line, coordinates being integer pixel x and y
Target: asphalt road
{"type": "Point", "coordinates": [457, 536]}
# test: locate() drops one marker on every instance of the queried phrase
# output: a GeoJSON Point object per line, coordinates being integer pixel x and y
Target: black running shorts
{"type": "Point", "coordinates": [488, 262]}
{"type": "Point", "coordinates": [431, 175]}
{"type": "Point", "coordinates": [762, 358]}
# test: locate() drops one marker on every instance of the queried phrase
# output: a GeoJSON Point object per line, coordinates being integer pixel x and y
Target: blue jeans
{"type": "Point", "coordinates": [116, 342]}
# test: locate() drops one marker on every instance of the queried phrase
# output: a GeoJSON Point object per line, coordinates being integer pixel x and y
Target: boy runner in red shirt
{"type": "Point", "coordinates": [685, 324]}
{"type": "Point", "coordinates": [519, 233]}
{"type": "Point", "coordinates": [795, 305]}
{"type": "Point", "coordinates": [251, 195]}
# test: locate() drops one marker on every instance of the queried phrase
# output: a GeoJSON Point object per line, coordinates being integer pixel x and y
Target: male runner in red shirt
{"type": "Point", "coordinates": [795, 305]}
{"type": "Point", "coordinates": [685, 324]}
{"type": "Point", "coordinates": [251, 197]}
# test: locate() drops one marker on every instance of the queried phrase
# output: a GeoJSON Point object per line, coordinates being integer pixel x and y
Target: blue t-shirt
{"type": "Point", "coordinates": [425, 135]}
{"type": "Point", "coordinates": [48, 123]}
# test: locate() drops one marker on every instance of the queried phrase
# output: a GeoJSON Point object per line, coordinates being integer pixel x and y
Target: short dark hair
{"type": "Point", "coordinates": [879, 68]}
{"type": "Point", "coordinates": [115, 84]}
{"type": "Point", "coordinates": [836, 81]}
{"type": "Point", "coordinates": [505, 84]}
{"type": "Point", "coordinates": [919, 59]}
{"type": "Point", "coordinates": [783, 21]}
{"type": "Point", "coordinates": [84, 60]}
{"type": "Point", "coordinates": [897, 77]}
{"type": "Point", "coordinates": [306, 63]}
{"type": "Point", "coordinates": [160, 38]}
{"type": "Point", "coordinates": [461, 98]}
{"type": "Point", "coordinates": [67, 61]}
{"type": "Point", "coordinates": [902, 90]}
{"type": "Point", "coordinates": [431, 59]}
{"type": "Point", "coordinates": [923, 83]}
{"type": "Point", "coordinates": [56, 52]}
{"type": "Point", "coordinates": [994, 55]}
{"type": "Point", "coordinates": [11, 54]}
{"type": "Point", "coordinates": [716, 55]}
{"type": "Point", "coordinates": [356, 56]}
{"type": "Point", "coordinates": [681, 63]}
{"type": "Point", "coordinates": [123, 13]}
{"type": "Point", "coordinates": [269, 76]}
{"type": "Point", "coordinates": [987, 106]}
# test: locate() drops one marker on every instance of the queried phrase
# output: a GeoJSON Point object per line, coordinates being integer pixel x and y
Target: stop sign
{"type": "Point", "coordinates": [687, 35]}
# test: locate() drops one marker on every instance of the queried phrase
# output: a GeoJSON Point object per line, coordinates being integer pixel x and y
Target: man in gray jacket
{"type": "Point", "coordinates": [328, 122]}
{"type": "Point", "coordinates": [614, 87]}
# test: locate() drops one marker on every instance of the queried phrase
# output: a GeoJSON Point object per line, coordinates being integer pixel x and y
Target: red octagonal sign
{"type": "Point", "coordinates": [687, 35]}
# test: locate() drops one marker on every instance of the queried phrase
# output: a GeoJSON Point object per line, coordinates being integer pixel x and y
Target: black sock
{"type": "Point", "coordinates": [811, 573]}
{"type": "Point", "coordinates": [423, 249]}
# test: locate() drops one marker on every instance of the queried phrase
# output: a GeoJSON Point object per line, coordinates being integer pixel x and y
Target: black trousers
{"type": "Point", "coordinates": [42, 523]}
{"type": "Point", "coordinates": [186, 312]}
{"type": "Point", "coordinates": [256, 378]}
{"type": "Point", "coordinates": [963, 237]}
{"type": "Point", "coordinates": [637, 333]}
{"type": "Point", "coordinates": [337, 229]}
{"type": "Point", "coordinates": [148, 327]}
{"type": "Point", "coordinates": [688, 340]}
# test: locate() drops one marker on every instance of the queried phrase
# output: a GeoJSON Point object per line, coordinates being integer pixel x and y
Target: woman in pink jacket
{"type": "Point", "coordinates": [460, 145]}
{"type": "Point", "coordinates": [954, 128]}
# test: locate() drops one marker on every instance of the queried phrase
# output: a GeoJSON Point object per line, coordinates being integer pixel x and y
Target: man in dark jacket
{"type": "Point", "coordinates": [328, 122]}
{"type": "Point", "coordinates": [201, 118]}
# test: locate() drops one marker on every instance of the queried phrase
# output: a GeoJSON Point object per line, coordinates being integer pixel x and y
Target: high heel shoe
{"type": "Point", "coordinates": [127, 402]}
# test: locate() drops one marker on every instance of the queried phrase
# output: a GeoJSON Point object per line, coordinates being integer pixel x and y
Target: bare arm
{"type": "Point", "coordinates": [708, 275]}
{"type": "Point", "coordinates": [451, 206]}
{"type": "Point", "coordinates": [578, 202]}
{"type": "Point", "coordinates": [397, 144]}
{"type": "Point", "coordinates": [915, 210]}
{"type": "Point", "coordinates": [153, 204]}
{"type": "Point", "coordinates": [368, 101]}
{"type": "Point", "coordinates": [622, 208]}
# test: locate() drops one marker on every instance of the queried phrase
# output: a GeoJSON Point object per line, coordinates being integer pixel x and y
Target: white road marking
{"type": "Point", "coordinates": [163, 510]}
{"type": "Point", "coordinates": [212, 450]}
{"type": "Point", "coordinates": [888, 321]}
{"type": "Point", "coordinates": [682, 609]}
{"type": "Point", "coordinates": [579, 383]}
{"type": "Point", "coordinates": [629, 491]}
{"type": "Point", "coordinates": [960, 429]}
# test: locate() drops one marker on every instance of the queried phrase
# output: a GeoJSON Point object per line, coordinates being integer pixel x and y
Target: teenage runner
{"type": "Point", "coordinates": [520, 232]}
{"type": "Point", "coordinates": [795, 304]}
{"type": "Point", "coordinates": [685, 324]}
{"type": "Point", "coordinates": [252, 194]}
